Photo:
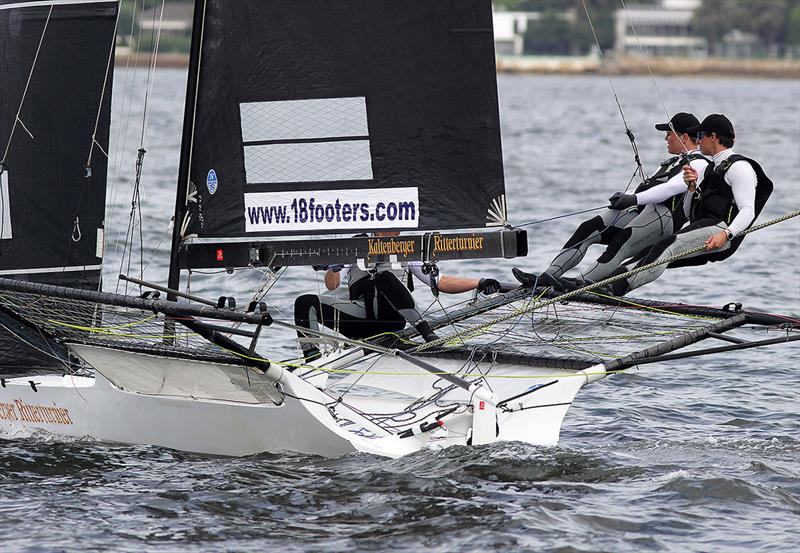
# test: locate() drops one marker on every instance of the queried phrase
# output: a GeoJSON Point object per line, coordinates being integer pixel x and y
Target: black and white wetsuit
{"type": "Point", "coordinates": [377, 301]}
{"type": "Point", "coordinates": [731, 195]}
{"type": "Point", "coordinates": [660, 211]}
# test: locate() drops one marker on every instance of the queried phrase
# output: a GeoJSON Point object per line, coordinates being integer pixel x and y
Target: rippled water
{"type": "Point", "coordinates": [697, 455]}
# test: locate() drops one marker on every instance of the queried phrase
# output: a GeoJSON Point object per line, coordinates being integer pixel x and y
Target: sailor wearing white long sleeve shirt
{"type": "Point", "coordinates": [724, 203]}
{"type": "Point", "coordinates": [634, 222]}
{"type": "Point", "coordinates": [743, 181]}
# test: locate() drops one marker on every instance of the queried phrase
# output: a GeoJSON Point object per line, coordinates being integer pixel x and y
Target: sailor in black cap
{"type": "Point", "coordinates": [724, 202]}
{"type": "Point", "coordinates": [634, 222]}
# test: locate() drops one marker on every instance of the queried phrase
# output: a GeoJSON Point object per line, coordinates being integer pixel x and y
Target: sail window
{"type": "Point", "coordinates": [306, 140]}
{"type": "Point", "coordinates": [5, 208]}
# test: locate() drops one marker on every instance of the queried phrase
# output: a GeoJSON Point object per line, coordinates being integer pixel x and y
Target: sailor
{"type": "Point", "coordinates": [723, 203]}
{"type": "Point", "coordinates": [633, 222]}
{"type": "Point", "coordinates": [378, 300]}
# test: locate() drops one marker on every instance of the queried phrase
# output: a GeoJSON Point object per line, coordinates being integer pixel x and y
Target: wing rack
{"type": "Point", "coordinates": [428, 247]}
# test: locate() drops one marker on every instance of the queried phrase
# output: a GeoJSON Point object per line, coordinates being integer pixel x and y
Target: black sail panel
{"type": "Point", "coordinates": [332, 116]}
{"type": "Point", "coordinates": [54, 62]}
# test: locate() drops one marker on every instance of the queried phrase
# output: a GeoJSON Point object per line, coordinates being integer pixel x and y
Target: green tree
{"type": "Point", "coordinates": [549, 35]}
{"type": "Point", "coordinates": [564, 27]}
{"type": "Point", "coordinates": [772, 21]}
{"type": "Point", "coordinates": [793, 26]}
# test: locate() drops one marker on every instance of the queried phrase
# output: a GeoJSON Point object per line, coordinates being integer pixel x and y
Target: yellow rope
{"type": "Point", "coordinates": [97, 329]}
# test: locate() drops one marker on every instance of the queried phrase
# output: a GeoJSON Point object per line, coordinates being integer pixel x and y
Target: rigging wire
{"type": "Point", "coordinates": [135, 217]}
{"type": "Point", "coordinates": [562, 216]}
{"type": "Point", "coordinates": [122, 136]}
{"type": "Point", "coordinates": [628, 131]}
{"type": "Point", "coordinates": [109, 59]}
{"type": "Point", "coordinates": [652, 77]}
{"type": "Point", "coordinates": [151, 71]}
{"type": "Point", "coordinates": [25, 92]}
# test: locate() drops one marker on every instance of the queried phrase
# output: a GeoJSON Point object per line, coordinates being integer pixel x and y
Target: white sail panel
{"type": "Point", "coordinates": [5, 208]}
{"type": "Point", "coordinates": [308, 162]}
{"type": "Point", "coordinates": [304, 119]}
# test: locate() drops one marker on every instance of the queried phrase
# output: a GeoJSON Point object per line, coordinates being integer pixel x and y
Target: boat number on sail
{"type": "Point", "coordinates": [332, 209]}
{"type": "Point", "coordinates": [20, 411]}
{"type": "Point", "coordinates": [211, 181]}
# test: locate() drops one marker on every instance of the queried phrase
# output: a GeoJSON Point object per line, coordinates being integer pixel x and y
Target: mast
{"type": "Point", "coordinates": [187, 139]}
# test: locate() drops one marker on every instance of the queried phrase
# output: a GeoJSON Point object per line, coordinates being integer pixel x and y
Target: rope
{"type": "Point", "coordinates": [25, 91]}
{"type": "Point", "coordinates": [652, 77]}
{"type": "Point", "coordinates": [569, 295]}
{"type": "Point", "coordinates": [151, 72]}
{"type": "Point", "coordinates": [103, 94]}
{"type": "Point", "coordinates": [628, 131]}
{"type": "Point", "coordinates": [122, 133]}
{"type": "Point", "coordinates": [561, 216]}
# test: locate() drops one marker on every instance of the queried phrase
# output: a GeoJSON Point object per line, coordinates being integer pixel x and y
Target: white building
{"type": "Point", "coordinates": [176, 20]}
{"type": "Point", "coordinates": [663, 30]}
{"type": "Point", "coordinates": [509, 31]}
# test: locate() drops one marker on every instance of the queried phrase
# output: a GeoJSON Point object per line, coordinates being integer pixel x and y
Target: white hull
{"type": "Point", "coordinates": [97, 408]}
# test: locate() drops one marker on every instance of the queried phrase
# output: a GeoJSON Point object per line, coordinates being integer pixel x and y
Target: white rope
{"type": "Point", "coordinates": [122, 136]}
{"type": "Point", "coordinates": [628, 131]}
{"type": "Point", "coordinates": [103, 93]}
{"type": "Point", "coordinates": [27, 84]}
{"type": "Point", "coordinates": [136, 196]}
{"type": "Point", "coordinates": [652, 77]}
{"type": "Point", "coordinates": [151, 75]}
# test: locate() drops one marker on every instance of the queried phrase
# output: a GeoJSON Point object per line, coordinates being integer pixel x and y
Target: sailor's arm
{"type": "Point", "coordinates": [742, 179]}
{"type": "Point", "coordinates": [660, 193]}
{"type": "Point", "coordinates": [455, 284]}
{"type": "Point", "coordinates": [656, 194]}
{"type": "Point", "coordinates": [666, 190]}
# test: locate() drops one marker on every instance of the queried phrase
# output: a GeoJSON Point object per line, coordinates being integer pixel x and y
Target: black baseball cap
{"type": "Point", "coordinates": [681, 121]}
{"type": "Point", "coordinates": [715, 123]}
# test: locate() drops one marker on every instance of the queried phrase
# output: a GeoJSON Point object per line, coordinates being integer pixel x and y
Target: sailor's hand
{"type": "Point", "coordinates": [716, 241]}
{"type": "Point", "coordinates": [621, 200]}
{"type": "Point", "coordinates": [488, 286]}
{"type": "Point", "coordinates": [690, 177]}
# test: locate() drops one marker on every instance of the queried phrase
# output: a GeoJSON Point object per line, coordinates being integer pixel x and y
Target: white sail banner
{"type": "Point", "coordinates": [310, 210]}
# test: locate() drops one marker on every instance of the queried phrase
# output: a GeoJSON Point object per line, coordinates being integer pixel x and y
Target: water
{"type": "Point", "coordinates": [697, 455]}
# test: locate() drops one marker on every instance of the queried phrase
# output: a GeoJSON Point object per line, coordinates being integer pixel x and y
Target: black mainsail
{"type": "Point", "coordinates": [341, 117]}
{"type": "Point", "coordinates": [55, 113]}
{"type": "Point", "coordinates": [55, 108]}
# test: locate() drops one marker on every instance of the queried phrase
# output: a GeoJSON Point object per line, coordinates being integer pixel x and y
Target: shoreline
{"type": "Point", "coordinates": [578, 65]}
{"type": "Point", "coordinates": [663, 66]}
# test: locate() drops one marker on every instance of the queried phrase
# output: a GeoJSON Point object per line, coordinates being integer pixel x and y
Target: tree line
{"type": "Point", "coordinates": [563, 27]}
